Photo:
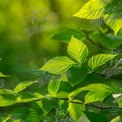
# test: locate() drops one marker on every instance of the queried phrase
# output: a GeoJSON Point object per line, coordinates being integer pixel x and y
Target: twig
{"type": "Point", "coordinates": [94, 42]}
{"type": "Point", "coordinates": [105, 107]}
{"type": "Point", "coordinates": [104, 76]}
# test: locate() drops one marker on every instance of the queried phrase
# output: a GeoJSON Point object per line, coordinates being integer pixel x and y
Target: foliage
{"type": "Point", "coordinates": [76, 86]}
{"type": "Point", "coordinates": [106, 9]}
{"type": "Point", "coordinates": [60, 94]}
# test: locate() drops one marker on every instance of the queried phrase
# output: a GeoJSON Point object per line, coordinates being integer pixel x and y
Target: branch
{"type": "Point", "coordinates": [104, 76]}
{"type": "Point", "coordinates": [105, 107]}
{"type": "Point", "coordinates": [92, 105]}
{"type": "Point", "coordinates": [88, 38]}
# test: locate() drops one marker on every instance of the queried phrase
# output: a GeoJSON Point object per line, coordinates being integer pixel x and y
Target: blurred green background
{"type": "Point", "coordinates": [26, 30]}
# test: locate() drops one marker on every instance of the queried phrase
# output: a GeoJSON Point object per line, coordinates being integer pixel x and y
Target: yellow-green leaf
{"type": "Point", "coordinates": [2, 75]}
{"type": "Point", "coordinates": [96, 96]}
{"type": "Point", "coordinates": [23, 85]}
{"type": "Point", "coordinates": [93, 9]}
{"type": "Point", "coordinates": [113, 22]}
{"type": "Point", "coordinates": [76, 110]}
{"type": "Point", "coordinates": [99, 60]}
{"type": "Point", "coordinates": [7, 100]}
{"type": "Point", "coordinates": [77, 50]}
{"type": "Point", "coordinates": [58, 65]}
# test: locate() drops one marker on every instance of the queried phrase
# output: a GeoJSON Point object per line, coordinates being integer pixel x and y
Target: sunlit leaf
{"type": "Point", "coordinates": [76, 110]}
{"type": "Point", "coordinates": [2, 75]}
{"type": "Point", "coordinates": [113, 21]}
{"type": "Point", "coordinates": [92, 88]}
{"type": "Point", "coordinates": [96, 96]}
{"type": "Point", "coordinates": [53, 87]}
{"type": "Point", "coordinates": [7, 100]}
{"type": "Point", "coordinates": [6, 91]}
{"type": "Point", "coordinates": [5, 119]}
{"type": "Point", "coordinates": [77, 50]}
{"type": "Point", "coordinates": [93, 9]}
{"type": "Point", "coordinates": [117, 119]}
{"type": "Point", "coordinates": [23, 85]}
{"type": "Point", "coordinates": [58, 65]}
{"type": "Point", "coordinates": [99, 60]}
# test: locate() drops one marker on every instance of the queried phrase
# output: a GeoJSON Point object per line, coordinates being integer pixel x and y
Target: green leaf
{"type": "Point", "coordinates": [84, 118]}
{"type": "Point", "coordinates": [93, 9]}
{"type": "Point", "coordinates": [76, 110]}
{"type": "Point", "coordinates": [113, 21]}
{"type": "Point", "coordinates": [62, 94]}
{"type": "Point", "coordinates": [6, 119]}
{"type": "Point", "coordinates": [27, 97]}
{"type": "Point", "coordinates": [77, 74]}
{"type": "Point", "coordinates": [97, 87]}
{"type": "Point", "coordinates": [63, 77]}
{"type": "Point", "coordinates": [99, 60]}
{"type": "Point", "coordinates": [2, 75]}
{"type": "Point", "coordinates": [92, 87]}
{"type": "Point", "coordinates": [33, 116]}
{"type": "Point", "coordinates": [60, 91]}
{"type": "Point", "coordinates": [118, 99]}
{"type": "Point", "coordinates": [77, 50]}
{"type": "Point", "coordinates": [47, 104]}
{"type": "Point", "coordinates": [58, 65]}
{"type": "Point", "coordinates": [7, 91]}
{"type": "Point", "coordinates": [53, 87]}
{"type": "Point", "coordinates": [113, 15]}
{"type": "Point", "coordinates": [105, 39]}
{"type": "Point", "coordinates": [66, 34]}
{"type": "Point", "coordinates": [109, 10]}
{"type": "Point", "coordinates": [96, 96]}
{"type": "Point", "coordinates": [23, 85]}
{"type": "Point", "coordinates": [76, 101]}
{"type": "Point", "coordinates": [17, 120]}
{"type": "Point", "coordinates": [38, 95]}
{"type": "Point", "coordinates": [117, 119]}
{"type": "Point", "coordinates": [20, 112]}
{"type": "Point", "coordinates": [98, 116]}
{"type": "Point", "coordinates": [7, 100]}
